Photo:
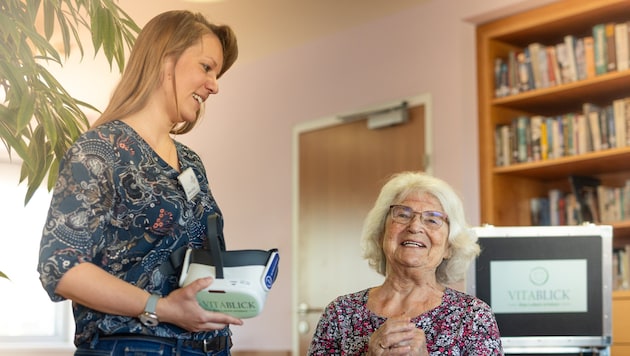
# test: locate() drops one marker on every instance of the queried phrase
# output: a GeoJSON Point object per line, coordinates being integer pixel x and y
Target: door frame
{"type": "Point", "coordinates": [329, 121]}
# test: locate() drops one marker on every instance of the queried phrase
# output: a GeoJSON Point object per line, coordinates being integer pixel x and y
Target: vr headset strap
{"type": "Point", "coordinates": [174, 263]}
{"type": "Point", "coordinates": [213, 244]}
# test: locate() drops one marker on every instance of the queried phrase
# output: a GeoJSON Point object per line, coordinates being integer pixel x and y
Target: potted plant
{"type": "Point", "coordinates": [39, 119]}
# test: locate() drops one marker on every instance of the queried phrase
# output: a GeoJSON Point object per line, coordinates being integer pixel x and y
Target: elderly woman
{"type": "Point", "coordinates": [416, 236]}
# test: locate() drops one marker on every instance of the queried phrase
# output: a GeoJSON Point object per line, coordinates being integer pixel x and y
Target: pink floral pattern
{"type": "Point", "coordinates": [461, 325]}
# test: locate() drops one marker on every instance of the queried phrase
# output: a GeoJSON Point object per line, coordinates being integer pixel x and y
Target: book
{"type": "Point", "coordinates": [621, 46]}
{"type": "Point", "coordinates": [555, 77]}
{"type": "Point", "coordinates": [567, 135]}
{"type": "Point", "coordinates": [611, 53]}
{"type": "Point", "coordinates": [512, 73]}
{"type": "Point", "coordinates": [525, 79]}
{"type": "Point", "coordinates": [522, 124]}
{"type": "Point", "coordinates": [572, 209]}
{"type": "Point", "coordinates": [534, 50]}
{"type": "Point", "coordinates": [501, 84]}
{"type": "Point", "coordinates": [582, 139]}
{"type": "Point", "coordinates": [562, 57]}
{"type": "Point", "coordinates": [569, 41]}
{"type": "Point", "coordinates": [611, 131]}
{"type": "Point", "coordinates": [600, 48]}
{"type": "Point", "coordinates": [585, 190]}
{"type": "Point", "coordinates": [591, 113]}
{"type": "Point", "coordinates": [544, 139]}
{"type": "Point", "coordinates": [506, 146]}
{"type": "Point", "coordinates": [619, 113]}
{"type": "Point", "coordinates": [539, 211]}
{"type": "Point", "coordinates": [555, 213]}
{"type": "Point", "coordinates": [580, 61]}
{"type": "Point", "coordinates": [557, 132]}
{"type": "Point", "coordinates": [536, 123]}
{"type": "Point", "coordinates": [589, 57]}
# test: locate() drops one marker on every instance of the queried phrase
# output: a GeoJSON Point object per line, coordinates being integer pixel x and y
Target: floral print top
{"type": "Point", "coordinates": [460, 325]}
{"type": "Point", "coordinates": [118, 205]}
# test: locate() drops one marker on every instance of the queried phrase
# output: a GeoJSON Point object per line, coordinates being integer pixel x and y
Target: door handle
{"type": "Point", "coordinates": [304, 308]}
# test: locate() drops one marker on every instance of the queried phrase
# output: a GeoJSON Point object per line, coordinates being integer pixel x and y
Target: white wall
{"type": "Point", "coordinates": [245, 138]}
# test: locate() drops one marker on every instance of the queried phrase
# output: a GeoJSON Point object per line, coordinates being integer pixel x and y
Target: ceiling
{"type": "Point", "coordinates": [267, 26]}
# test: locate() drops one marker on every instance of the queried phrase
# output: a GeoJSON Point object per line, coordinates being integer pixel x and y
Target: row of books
{"type": "Point", "coordinates": [538, 65]}
{"type": "Point", "coordinates": [588, 201]}
{"type": "Point", "coordinates": [535, 138]}
{"type": "Point", "coordinates": [621, 268]}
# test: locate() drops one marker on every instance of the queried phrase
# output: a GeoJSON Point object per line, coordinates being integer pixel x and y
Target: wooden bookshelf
{"type": "Point", "coordinates": [506, 190]}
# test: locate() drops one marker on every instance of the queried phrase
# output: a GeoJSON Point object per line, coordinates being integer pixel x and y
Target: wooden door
{"type": "Point", "coordinates": [341, 170]}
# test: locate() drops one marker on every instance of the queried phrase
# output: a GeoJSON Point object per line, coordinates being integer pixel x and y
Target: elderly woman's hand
{"type": "Point", "coordinates": [398, 336]}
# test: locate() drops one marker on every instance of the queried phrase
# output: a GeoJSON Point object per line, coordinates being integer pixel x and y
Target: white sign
{"type": "Point", "coordinates": [539, 286]}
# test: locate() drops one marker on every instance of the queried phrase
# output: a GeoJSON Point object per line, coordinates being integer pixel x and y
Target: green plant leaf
{"type": "Point", "coordinates": [49, 14]}
{"type": "Point", "coordinates": [2, 275]}
{"type": "Point", "coordinates": [25, 114]}
{"type": "Point", "coordinates": [39, 119]}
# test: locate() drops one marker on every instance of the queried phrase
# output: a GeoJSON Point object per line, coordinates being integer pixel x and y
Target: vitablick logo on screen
{"type": "Point", "coordinates": [539, 286]}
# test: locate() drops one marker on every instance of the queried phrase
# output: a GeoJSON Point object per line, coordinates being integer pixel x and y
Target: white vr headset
{"type": "Point", "coordinates": [242, 278]}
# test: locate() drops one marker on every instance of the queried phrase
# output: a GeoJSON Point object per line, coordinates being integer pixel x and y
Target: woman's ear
{"type": "Point", "coordinates": [168, 68]}
{"type": "Point", "coordinates": [448, 253]}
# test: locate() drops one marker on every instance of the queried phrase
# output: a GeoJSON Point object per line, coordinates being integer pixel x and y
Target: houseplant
{"type": "Point", "coordinates": [39, 119]}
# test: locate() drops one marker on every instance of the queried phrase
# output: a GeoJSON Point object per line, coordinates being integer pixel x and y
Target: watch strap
{"type": "Point", "coordinates": [151, 303]}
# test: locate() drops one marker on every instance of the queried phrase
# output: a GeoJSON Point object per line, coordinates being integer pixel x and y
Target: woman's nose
{"type": "Point", "coordinates": [416, 224]}
{"type": "Point", "coordinates": [212, 85]}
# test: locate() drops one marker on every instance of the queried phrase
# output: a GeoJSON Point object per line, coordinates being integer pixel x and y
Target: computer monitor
{"type": "Point", "coordinates": [550, 287]}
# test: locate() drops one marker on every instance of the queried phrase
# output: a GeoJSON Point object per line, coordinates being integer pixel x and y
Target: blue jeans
{"type": "Point", "coordinates": [142, 345]}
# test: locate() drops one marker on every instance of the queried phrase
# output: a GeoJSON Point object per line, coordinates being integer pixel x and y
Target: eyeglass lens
{"type": "Point", "coordinates": [404, 215]}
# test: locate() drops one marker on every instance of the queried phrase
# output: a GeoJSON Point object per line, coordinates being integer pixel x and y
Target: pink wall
{"type": "Point", "coordinates": [245, 140]}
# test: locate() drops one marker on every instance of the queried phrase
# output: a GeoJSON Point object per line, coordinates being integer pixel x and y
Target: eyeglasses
{"type": "Point", "coordinates": [433, 220]}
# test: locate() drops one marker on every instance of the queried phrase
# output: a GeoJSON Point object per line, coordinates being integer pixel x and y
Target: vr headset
{"type": "Point", "coordinates": [242, 278]}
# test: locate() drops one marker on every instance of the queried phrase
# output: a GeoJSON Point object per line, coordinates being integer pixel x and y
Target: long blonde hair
{"type": "Point", "coordinates": [166, 35]}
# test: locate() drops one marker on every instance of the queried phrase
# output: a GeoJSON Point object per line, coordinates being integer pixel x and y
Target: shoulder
{"type": "Point", "coordinates": [464, 300]}
{"type": "Point", "coordinates": [187, 152]}
{"type": "Point", "coordinates": [108, 134]}
{"type": "Point", "coordinates": [99, 141]}
{"type": "Point", "coordinates": [352, 300]}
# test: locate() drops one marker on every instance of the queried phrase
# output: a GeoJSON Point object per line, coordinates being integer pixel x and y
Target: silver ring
{"type": "Point", "coordinates": [382, 347]}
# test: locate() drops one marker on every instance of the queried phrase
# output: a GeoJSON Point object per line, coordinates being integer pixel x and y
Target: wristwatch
{"type": "Point", "coordinates": [148, 317]}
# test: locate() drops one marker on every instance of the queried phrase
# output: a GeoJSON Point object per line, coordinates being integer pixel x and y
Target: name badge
{"type": "Point", "coordinates": [189, 182]}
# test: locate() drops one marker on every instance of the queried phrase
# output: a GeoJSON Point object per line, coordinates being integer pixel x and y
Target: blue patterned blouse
{"type": "Point", "coordinates": [118, 205]}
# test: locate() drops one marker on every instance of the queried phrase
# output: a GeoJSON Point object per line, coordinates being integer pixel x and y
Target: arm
{"type": "Point", "coordinates": [85, 242]}
{"type": "Point", "coordinates": [89, 285]}
{"type": "Point", "coordinates": [483, 337]}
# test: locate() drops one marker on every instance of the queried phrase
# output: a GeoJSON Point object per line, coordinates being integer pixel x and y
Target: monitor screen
{"type": "Point", "coordinates": [546, 285]}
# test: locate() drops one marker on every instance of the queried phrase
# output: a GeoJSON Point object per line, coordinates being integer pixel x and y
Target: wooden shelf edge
{"type": "Point", "coordinates": [590, 163]}
{"type": "Point", "coordinates": [546, 93]}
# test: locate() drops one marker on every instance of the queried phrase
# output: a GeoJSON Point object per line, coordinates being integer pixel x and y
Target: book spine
{"type": "Point", "coordinates": [599, 41]}
{"type": "Point", "coordinates": [589, 57]}
{"type": "Point", "coordinates": [611, 54]}
{"type": "Point", "coordinates": [621, 46]}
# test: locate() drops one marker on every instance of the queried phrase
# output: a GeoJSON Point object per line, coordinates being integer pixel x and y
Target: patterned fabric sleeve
{"type": "Point", "coordinates": [326, 339]}
{"type": "Point", "coordinates": [81, 202]}
{"type": "Point", "coordinates": [484, 337]}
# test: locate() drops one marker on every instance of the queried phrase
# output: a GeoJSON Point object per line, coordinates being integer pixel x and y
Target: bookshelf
{"type": "Point", "coordinates": [506, 190]}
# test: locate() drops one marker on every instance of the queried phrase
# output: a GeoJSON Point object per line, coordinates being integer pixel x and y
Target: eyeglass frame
{"type": "Point", "coordinates": [442, 217]}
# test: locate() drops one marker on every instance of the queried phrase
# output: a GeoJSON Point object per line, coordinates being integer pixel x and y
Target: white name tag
{"type": "Point", "coordinates": [189, 182]}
